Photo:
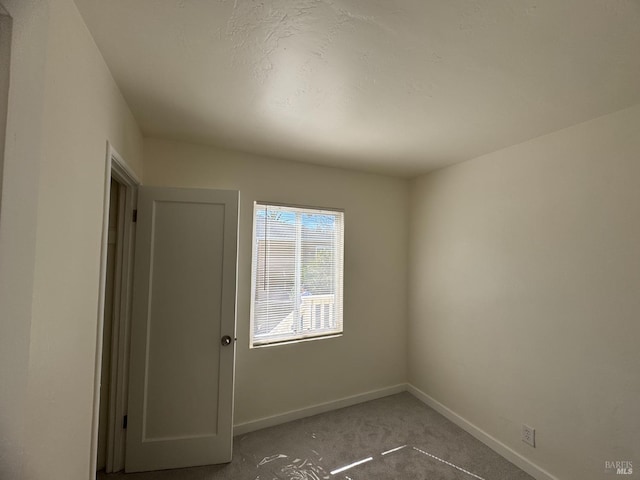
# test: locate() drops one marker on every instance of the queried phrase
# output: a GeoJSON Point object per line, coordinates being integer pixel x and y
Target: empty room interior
{"type": "Point", "coordinates": [319, 239]}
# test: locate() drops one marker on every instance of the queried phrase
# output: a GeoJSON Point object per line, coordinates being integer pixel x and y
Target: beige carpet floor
{"type": "Point", "coordinates": [395, 437]}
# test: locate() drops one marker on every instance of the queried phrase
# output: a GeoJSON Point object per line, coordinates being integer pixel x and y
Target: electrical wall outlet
{"type": "Point", "coordinates": [529, 435]}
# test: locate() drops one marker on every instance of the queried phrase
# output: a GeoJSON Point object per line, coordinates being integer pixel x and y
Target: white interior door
{"type": "Point", "coordinates": [184, 302]}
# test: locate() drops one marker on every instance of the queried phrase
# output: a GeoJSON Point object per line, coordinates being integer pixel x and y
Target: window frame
{"type": "Point", "coordinates": [339, 293]}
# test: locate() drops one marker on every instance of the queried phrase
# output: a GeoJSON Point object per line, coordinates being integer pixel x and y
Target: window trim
{"type": "Point", "coordinates": [340, 294]}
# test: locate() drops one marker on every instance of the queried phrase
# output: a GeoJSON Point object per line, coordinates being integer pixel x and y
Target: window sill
{"type": "Point", "coordinates": [297, 340]}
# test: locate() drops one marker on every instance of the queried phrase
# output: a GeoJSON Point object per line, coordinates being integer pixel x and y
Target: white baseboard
{"type": "Point", "coordinates": [265, 422]}
{"type": "Point", "coordinates": [491, 442]}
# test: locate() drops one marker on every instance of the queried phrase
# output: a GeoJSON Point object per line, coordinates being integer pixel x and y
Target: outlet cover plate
{"type": "Point", "coordinates": [529, 435]}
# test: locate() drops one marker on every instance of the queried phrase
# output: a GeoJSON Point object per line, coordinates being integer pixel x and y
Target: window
{"type": "Point", "coordinates": [296, 273]}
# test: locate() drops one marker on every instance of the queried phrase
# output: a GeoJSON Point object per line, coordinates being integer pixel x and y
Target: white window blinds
{"type": "Point", "coordinates": [297, 273]}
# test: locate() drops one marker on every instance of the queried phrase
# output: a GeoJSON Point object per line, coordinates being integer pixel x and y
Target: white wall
{"type": "Point", "coordinates": [371, 355]}
{"type": "Point", "coordinates": [525, 293]}
{"type": "Point", "coordinates": [63, 107]}
{"type": "Point", "coordinates": [22, 158]}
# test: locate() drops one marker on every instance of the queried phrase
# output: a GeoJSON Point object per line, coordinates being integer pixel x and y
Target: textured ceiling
{"type": "Point", "coordinates": [398, 87]}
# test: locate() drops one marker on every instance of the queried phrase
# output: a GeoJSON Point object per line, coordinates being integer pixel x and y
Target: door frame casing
{"type": "Point", "coordinates": [6, 26]}
{"type": "Point", "coordinates": [116, 168]}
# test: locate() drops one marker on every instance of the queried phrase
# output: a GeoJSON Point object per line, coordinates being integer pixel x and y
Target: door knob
{"type": "Point", "coordinates": [226, 340]}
